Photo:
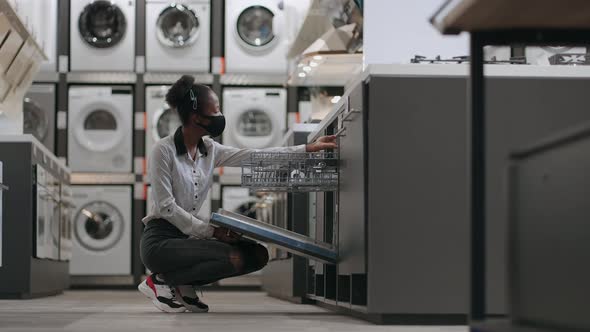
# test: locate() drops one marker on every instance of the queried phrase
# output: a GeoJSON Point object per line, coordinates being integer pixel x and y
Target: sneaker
{"type": "Point", "coordinates": [162, 295]}
{"type": "Point", "coordinates": [188, 297]}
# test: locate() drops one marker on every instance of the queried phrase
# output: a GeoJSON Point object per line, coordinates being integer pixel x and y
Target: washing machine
{"type": "Point", "coordinates": [239, 200]}
{"type": "Point", "coordinates": [255, 37]}
{"type": "Point", "coordinates": [256, 117]}
{"type": "Point", "coordinates": [161, 120]}
{"type": "Point", "coordinates": [102, 230]}
{"type": "Point", "coordinates": [39, 114]}
{"type": "Point", "coordinates": [102, 35]}
{"type": "Point", "coordinates": [204, 213]}
{"type": "Point", "coordinates": [178, 35]}
{"type": "Point", "coordinates": [100, 129]}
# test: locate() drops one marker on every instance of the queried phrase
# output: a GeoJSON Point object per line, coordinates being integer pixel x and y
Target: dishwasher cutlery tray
{"type": "Point", "coordinates": [291, 172]}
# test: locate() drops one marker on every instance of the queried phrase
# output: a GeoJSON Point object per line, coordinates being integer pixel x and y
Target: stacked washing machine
{"type": "Point", "coordinates": [102, 35]}
{"type": "Point", "coordinates": [177, 35]}
{"type": "Point", "coordinates": [255, 37]}
{"type": "Point", "coordinates": [100, 129]}
{"type": "Point", "coordinates": [255, 118]}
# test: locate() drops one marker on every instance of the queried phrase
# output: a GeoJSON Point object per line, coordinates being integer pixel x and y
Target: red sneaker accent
{"type": "Point", "coordinates": [150, 283]}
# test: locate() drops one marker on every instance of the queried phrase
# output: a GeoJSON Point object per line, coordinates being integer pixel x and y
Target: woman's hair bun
{"type": "Point", "coordinates": [178, 91]}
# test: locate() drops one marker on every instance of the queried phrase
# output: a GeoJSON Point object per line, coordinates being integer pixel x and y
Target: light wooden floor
{"type": "Point", "coordinates": [121, 311]}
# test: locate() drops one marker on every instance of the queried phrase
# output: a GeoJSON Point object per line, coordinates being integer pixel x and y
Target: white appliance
{"type": "Point", "coordinates": [102, 35]}
{"type": "Point", "coordinates": [102, 230]}
{"type": "Point", "coordinates": [256, 117]}
{"type": "Point", "coordinates": [66, 223]}
{"type": "Point", "coordinates": [161, 119]}
{"type": "Point", "coordinates": [177, 35]}
{"type": "Point", "coordinates": [39, 114]}
{"type": "Point", "coordinates": [204, 213]}
{"type": "Point", "coordinates": [100, 129]}
{"type": "Point", "coordinates": [239, 200]}
{"type": "Point", "coordinates": [255, 37]}
{"type": "Point", "coordinates": [3, 188]}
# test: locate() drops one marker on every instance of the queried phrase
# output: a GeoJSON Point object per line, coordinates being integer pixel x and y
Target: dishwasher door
{"type": "Point", "coordinates": [292, 242]}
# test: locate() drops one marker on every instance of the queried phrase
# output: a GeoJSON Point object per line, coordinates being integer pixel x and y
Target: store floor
{"type": "Point", "coordinates": [121, 311]}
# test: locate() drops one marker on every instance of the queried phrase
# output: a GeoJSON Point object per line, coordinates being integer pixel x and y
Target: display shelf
{"type": "Point", "coordinates": [249, 79]}
{"type": "Point", "coordinates": [102, 77]}
{"type": "Point", "coordinates": [102, 178]}
{"type": "Point", "coordinates": [171, 78]}
{"type": "Point", "coordinates": [326, 69]}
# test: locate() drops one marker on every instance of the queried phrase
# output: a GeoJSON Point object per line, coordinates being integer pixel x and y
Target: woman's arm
{"type": "Point", "coordinates": [233, 157]}
{"type": "Point", "coordinates": [160, 175]}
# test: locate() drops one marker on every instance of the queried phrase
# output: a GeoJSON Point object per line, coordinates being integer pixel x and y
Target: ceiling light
{"type": "Point", "coordinates": [335, 99]}
{"type": "Point", "coordinates": [313, 64]}
{"type": "Point", "coordinates": [317, 57]}
{"type": "Point", "coordinates": [302, 75]}
{"type": "Point", "coordinates": [307, 69]}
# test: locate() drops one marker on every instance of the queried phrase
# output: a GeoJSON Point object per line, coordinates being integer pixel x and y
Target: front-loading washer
{"type": "Point", "coordinates": [100, 129]}
{"type": "Point", "coordinates": [255, 37]}
{"type": "Point", "coordinates": [39, 114]}
{"type": "Point", "coordinates": [178, 35]}
{"type": "Point", "coordinates": [255, 117]}
{"type": "Point", "coordinates": [102, 35]}
{"type": "Point", "coordinates": [102, 230]}
{"type": "Point", "coordinates": [161, 120]}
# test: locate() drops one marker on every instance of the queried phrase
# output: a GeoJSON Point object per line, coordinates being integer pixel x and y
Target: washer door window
{"type": "Point", "coordinates": [166, 121]}
{"type": "Point", "coordinates": [35, 120]}
{"type": "Point", "coordinates": [255, 128]}
{"type": "Point", "coordinates": [102, 24]}
{"type": "Point", "coordinates": [255, 123]}
{"type": "Point", "coordinates": [177, 26]}
{"type": "Point", "coordinates": [255, 27]}
{"type": "Point", "coordinates": [98, 128]}
{"type": "Point", "coordinates": [99, 226]}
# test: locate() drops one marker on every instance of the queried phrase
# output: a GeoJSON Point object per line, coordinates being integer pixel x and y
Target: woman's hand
{"type": "Point", "coordinates": [225, 235]}
{"type": "Point", "coordinates": [322, 143]}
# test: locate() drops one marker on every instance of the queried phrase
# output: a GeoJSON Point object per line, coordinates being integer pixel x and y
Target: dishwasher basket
{"type": "Point", "coordinates": [291, 172]}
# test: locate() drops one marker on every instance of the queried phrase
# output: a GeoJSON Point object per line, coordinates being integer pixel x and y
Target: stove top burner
{"type": "Point", "coordinates": [466, 58]}
{"type": "Point", "coordinates": [571, 59]}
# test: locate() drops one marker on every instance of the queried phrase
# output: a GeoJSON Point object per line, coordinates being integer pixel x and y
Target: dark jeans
{"type": "Point", "coordinates": [182, 261]}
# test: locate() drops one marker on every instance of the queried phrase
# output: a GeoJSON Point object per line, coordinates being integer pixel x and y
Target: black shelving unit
{"type": "Point", "coordinates": [495, 30]}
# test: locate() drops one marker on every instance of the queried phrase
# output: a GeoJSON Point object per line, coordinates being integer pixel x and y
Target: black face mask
{"type": "Point", "coordinates": [216, 126]}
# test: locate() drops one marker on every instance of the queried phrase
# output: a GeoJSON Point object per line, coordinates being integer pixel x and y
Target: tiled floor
{"type": "Point", "coordinates": [121, 311]}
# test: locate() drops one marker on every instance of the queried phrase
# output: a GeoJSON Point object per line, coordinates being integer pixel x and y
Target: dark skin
{"type": "Point", "coordinates": [193, 133]}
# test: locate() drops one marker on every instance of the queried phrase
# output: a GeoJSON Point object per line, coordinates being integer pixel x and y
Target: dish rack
{"type": "Point", "coordinates": [291, 172]}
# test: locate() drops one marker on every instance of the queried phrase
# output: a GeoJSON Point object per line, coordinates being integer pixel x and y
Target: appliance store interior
{"type": "Point", "coordinates": [294, 165]}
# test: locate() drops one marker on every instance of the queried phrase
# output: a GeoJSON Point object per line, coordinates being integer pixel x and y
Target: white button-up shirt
{"type": "Point", "coordinates": [180, 184]}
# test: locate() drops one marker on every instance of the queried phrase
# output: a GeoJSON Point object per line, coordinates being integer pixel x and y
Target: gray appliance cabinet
{"type": "Point", "coordinates": [21, 274]}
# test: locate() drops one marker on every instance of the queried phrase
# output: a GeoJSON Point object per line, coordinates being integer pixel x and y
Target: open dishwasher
{"type": "Point", "coordinates": [285, 172]}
